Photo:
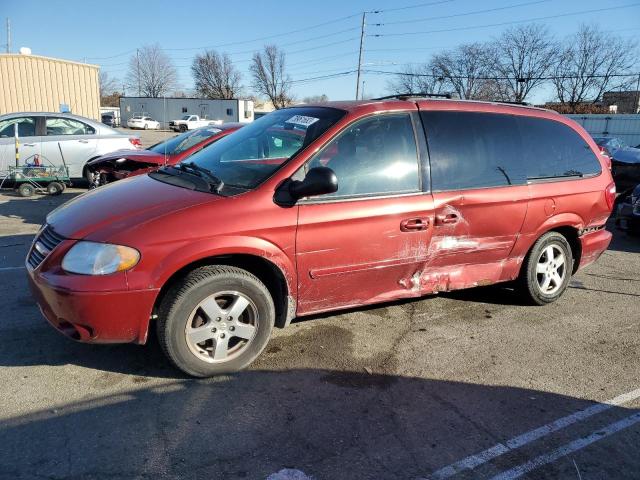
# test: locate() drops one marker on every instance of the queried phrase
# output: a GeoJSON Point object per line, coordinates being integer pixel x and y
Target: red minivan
{"type": "Point", "coordinates": [323, 207]}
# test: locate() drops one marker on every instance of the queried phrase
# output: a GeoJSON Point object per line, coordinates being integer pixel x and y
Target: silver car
{"type": "Point", "coordinates": [50, 137]}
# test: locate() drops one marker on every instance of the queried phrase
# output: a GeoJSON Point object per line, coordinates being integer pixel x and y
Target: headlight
{"type": "Point", "coordinates": [90, 258]}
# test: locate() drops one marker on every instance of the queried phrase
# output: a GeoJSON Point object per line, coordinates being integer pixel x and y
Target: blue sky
{"type": "Point", "coordinates": [92, 31]}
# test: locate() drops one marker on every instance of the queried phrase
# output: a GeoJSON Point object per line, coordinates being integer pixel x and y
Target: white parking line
{"type": "Point", "coordinates": [485, 456]}
{"type": "Point", "coordinates": [568, 448]}
{"type": "Point", "coordinates": [8, 269]}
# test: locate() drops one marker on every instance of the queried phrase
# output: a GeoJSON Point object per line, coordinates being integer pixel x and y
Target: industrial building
{"type": "Point", "coordinates": [32, 83]}
{"type": "Point", "coordinates": [166, 109]}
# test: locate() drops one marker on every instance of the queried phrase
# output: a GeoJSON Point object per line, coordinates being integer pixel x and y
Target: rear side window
{"type": "Point", "coordinates": [473, 150]}
{"type": "Point", "coordinates": [554, 150]}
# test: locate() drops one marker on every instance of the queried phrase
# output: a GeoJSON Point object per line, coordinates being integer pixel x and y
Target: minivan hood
{"type": "Point", "coordinates": [100, 213]}
{"type": "Point", "coordinates": [146, 156]}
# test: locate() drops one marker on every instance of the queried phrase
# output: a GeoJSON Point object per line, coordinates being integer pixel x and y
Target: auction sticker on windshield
{"type": "Point", "coordinates": [302, 120]}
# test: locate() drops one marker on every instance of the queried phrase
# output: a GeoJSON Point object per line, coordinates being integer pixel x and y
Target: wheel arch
{"type": "Point", "coordinates": [267, 272]}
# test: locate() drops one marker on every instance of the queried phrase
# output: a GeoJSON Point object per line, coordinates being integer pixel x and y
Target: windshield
{"type": "Point", "coordinates": [182, 142]}
{"type": "Point", "coordinates": [186, 117]}
{"type": "Point", "coordinates": [253, 153]}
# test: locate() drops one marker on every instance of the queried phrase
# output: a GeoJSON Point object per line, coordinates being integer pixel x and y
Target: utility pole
{"type": "Point", "coordinates": [138, 69]}
{"type": "Point", "coordinates": [8, 35]}
{"type": "Point", "coordinates": [636, 107]}
{"type": "Point", "coordinates": [364, 18]}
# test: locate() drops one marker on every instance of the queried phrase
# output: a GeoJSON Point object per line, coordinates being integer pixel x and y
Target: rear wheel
{"type": "Point", "coordinates": [26, 190]}
{"type": "Point", "coordinates": [55, 188]}
{"type": "Point", "coordinates": [218, 320]}
{"type": "Point", "coordinates": [547, 269]}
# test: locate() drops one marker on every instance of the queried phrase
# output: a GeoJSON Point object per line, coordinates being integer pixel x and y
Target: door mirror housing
{"type": "Point", "coordinates": [317, 181]}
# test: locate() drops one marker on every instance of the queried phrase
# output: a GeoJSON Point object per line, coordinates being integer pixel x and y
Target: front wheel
{"type": "Point", "coordinates": [547, 269]}
{"type": "Point", "coordinates": [217, 320]}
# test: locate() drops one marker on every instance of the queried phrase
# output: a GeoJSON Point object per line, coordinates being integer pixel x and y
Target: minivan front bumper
{"type": "Point", "coordinates": [92, 316]}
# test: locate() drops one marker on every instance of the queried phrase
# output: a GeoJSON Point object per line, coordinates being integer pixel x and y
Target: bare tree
{"type": "Point", "coordinates": [151, 72]}
{"type": "Point", "coordinates": [465, 70]}
{"type": "Point", "coordinates": [215, 76]}
{"type": "Point", "coordinates": [316, 99]}
{"type": "Point", "coordinates": [417, 79]}
{"type": "Point", "coordinates": [589, 65]}
{"type": "Point", "coordinates": [521, 58]}
{"type": "Point", "coordinates": [269, 76]}
{"type": "Point", "coordinates": [107, 84]}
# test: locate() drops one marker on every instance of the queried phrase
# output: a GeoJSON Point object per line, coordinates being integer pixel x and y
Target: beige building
{"type": "Point", "coordinates": [31, 83]}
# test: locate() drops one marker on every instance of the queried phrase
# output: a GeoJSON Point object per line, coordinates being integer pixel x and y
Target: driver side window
{"type": "Point", "coordinates": [375, 156]}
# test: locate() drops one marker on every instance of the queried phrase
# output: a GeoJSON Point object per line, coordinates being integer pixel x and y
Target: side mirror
{"type": "Point", "coordinates": [318, 181]}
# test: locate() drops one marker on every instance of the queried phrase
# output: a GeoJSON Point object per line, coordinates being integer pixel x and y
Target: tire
{"type": "Point", "coordinates": [183, 128]}
{"type": "Point", "coordinates": [215, 289]}
{"type": "Point", "coordinates": [26, 190]}
{"type": "Point", "coordinates": [55, 188]}
{"type": "Point", "coordinates": [538, 284]}
{"type": "Point", "coordinates": [146, 126]}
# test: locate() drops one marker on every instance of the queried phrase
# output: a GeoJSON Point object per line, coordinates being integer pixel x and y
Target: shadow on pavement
{"type": "Point", "coordinates": [32, 210]}
{"type": "Point", "coordinates": [331, 425]}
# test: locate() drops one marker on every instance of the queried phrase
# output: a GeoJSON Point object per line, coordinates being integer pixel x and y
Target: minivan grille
{"type": "Point", "coordinates": [43, 245]}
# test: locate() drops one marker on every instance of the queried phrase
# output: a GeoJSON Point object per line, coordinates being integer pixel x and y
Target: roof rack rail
{"type": "Point", "coordinates": [513, 103]}
{"type": "Point", "coordinates": [404, 96]}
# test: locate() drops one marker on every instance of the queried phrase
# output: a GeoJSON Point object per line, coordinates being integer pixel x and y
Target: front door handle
{"type": "Point", "coordinates": [29, 144]}
{"type": "Point", "coordinates": [83, 141]}
{"type": "Point", "coordinates": [414, 224]}
{"type": "Point", "coordinates": [446, 219]}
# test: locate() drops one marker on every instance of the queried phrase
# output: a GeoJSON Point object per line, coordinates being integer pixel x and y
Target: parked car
{"type": "Point", "coordinates": [127, 163]}
{"type": "Point", "coordinates": [143, 123]}
{"type": "Point", "coordinates": [625, 162]}
{"type": "Point", "coordinates": [190, 122]}
{"type": "Point", "coordinates": [109, 120]}
{"type": "Point", "coordinates": [628, 213]}
{"type": "Point", "coordinates": [49, 136]}
{"type": "Point", "coordinates": [318, 208]}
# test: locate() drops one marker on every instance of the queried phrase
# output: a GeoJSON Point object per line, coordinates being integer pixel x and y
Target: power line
{"type": "Point", "coordinates": [464, 77]}
{"type": "Point", "coordinates": [242, 42]}
{"type": "Point", "coordinates": [324, 77]}
{"type": "Point", "coordinates": [417, 5]}
{"type": "Point", "coordinates": [455, 15]}
{"type": "Point", "coordinates": [290, 32]}
{"type": "Point", "coordinates": [457, 29]}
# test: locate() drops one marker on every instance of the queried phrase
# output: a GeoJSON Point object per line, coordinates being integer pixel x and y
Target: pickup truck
{"type": "Point", "coordinates": [190, 122]}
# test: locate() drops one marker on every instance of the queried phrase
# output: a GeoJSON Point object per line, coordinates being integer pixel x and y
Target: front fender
{"type": "Point", "coordinates": [157, 267]}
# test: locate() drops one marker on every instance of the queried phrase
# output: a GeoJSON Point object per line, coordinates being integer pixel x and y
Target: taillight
{"type": "Point", "coordinates": [135, 142]}
{"type": "Point", "coordinates": [610, 195]}
{"type": "Point", "coordinates": [607, 157]}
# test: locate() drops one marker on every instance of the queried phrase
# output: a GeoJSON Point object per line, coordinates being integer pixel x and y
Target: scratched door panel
{"type": "Point", "coordinates": [355, 252]}
{"type": "Point", "coordinates": [474, 248]}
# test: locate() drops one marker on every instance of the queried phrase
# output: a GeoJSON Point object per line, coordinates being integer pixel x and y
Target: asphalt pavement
{"type": "Point", "coordinates": [463, 385]}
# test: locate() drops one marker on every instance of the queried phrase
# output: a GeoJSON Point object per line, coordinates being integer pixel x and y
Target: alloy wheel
{"type": "Point", "coordinates": [221, 326]}
{"type": "Point", "coordinates": [551, 269]}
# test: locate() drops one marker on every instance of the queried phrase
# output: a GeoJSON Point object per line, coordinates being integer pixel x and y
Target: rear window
{"type": "Point", "coordinates": [184, 141]}
{"type": "Point", "coordinates": [473, 150]}
{"type": "Point", "coordinates": [554, 150]}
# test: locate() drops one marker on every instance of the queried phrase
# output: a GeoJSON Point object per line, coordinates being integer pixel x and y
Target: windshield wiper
{"type": "Point", "coordinates": [191, 167]}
